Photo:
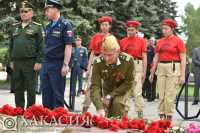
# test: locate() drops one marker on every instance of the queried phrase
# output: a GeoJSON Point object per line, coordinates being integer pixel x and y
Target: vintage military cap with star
{"type": "Point", "coordinates": [25, 5]}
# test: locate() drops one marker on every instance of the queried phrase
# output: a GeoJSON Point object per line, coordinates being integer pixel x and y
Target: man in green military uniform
{"type": "Point", "coordinates": [112, 79]}
{"type": "Point", "coordinates": [25, 51]}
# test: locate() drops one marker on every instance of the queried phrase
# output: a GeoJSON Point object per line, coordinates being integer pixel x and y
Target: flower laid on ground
{"type": "Point", "coordinates": [193, 128]}
{"type": "Point", "coordinates": [161, 126]}
{"type": "Point", "coordinates": [8, 110]}
{"type": "Point", "coordinates": [62, 116]}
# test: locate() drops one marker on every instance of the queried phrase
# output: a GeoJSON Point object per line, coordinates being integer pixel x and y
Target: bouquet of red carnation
{"type": "Point", "coordinates": [124, 124]}
{"type": "Point", "coordinates": [137, 124]}
{"type": "Point", "coordinates": [8, 110]}
{"type": "Point", "coordinates": [160, 126]}
{"type": "Point", "coordinates": [60, 111]}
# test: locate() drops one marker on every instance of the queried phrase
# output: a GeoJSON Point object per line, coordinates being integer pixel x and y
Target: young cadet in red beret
{"type": "Point", "coordinates": [136, 47]}
{"type": "Point", "coordinates": [95, 48]}
{"type": "Point", "coordinates": [170, 60]}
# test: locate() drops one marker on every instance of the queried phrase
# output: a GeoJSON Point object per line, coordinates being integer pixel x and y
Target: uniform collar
{"type": "Point", "coordinates": [117, 64]}
{"type": "Point", "coordinates": [57, 22]}
{"type": "Point", "coordinates": [27, 24]}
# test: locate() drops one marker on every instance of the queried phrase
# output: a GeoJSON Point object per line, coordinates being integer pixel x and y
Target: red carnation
{"type": "Point", "coordinates": [49, 116]}
{"type": "Point", "coordinates": [95, 120]}
{"type": "Point", "coordinates": [59, 112]}
{"type": "Point", "coordinates": [28, 114]}
{"type": "Point", "coordinates": [125, 118]}
{"type": "Point", "coordinates": [8, 110]}
{"type": "Point", "coordinates": [114, 125]}
{"type": "Point", "coordinates": [64, 119]}
{"type": "Point", "coordinates": [87, 115]}
{"type": "Point", "coordinates": [141, 125]}
{"type": "Point", "coordinates": [18, 111]}
{"type": "Point", "coordinates": [124, 124]}
{"type": "Point", "coordinates": [133, 124]}
{"type": "Point", "coordinates": [103, 123]}
{"type": "Point", "coordinates": [164, 124]}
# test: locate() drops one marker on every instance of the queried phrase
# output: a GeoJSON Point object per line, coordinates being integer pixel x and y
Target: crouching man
{"type": "Point", "coordinates": [112, 79]}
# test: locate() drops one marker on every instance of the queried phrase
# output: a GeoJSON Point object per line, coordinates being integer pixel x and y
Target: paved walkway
{"type": "Point", "coordinates": [150, 110]}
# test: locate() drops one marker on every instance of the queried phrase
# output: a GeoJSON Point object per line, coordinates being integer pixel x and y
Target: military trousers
{"type": "Point", "coordinates": [24, 79]}
{"type": "Point", "coordinates": [137, 89]}
{"type": "Point", "coordinates": [196, 83]}
{"type": "Point", "coordinates": [167, 84]}
{"type": "Point", "coordinates": [53, 84]}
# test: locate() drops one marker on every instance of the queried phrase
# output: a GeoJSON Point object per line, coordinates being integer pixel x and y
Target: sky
{"type": "Point", "coordinates": [182, 3]}
{"type": "Point", "coordinates": [181, 7]}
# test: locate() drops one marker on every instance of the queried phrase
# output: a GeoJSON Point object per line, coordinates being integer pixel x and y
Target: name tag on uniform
{"type": "Point", "coordinates": [30, 32]}
{"type": "Point", "coordinates": [56, 33]}
{"type": "Point", "coordinates": [81, 52]}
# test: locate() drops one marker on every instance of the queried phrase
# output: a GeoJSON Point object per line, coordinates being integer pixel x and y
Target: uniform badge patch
{"type": "Point", "coordinates": [69, 33]}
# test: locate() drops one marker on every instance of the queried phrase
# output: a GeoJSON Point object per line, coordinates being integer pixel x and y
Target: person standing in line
{"type": "Point", "coordinates": [78, 64]}
{"type": "Point", "coordinates": [25, 52]}
{"type": "Point", "coordinates": [95, 48]}
{"type": "Point", "coordinates": [148, 87]}
{"type": "Point", "coordinates": [170, 60]}
{"type": "Point", "coordinates": [136, 47]}
{"type": "Point", "coordinates": [59, 37]}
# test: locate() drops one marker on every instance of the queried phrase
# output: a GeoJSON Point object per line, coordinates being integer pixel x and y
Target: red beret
{"type": "Point", "coordinates": [170, 23]}
{"type": "Point", "coordinates": [132, 23]}
{"type": "Point", "coordinates": [105, 19]}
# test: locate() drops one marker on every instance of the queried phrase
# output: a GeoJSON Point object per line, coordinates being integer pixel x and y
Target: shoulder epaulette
{"type": "Point", "coordinates": [37, 23]}
{"type": "Point", "coordinates": [15, 23]}
{"type": "Point", "coordinates": [125, 57]}
{"type": "Point", "coordinates": [64, 21]}
{"type": "Point", "coordinates": [98, 60]}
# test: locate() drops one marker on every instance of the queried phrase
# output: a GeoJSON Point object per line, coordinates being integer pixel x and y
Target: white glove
{"type": "Point", "coordinates": [101, 112]}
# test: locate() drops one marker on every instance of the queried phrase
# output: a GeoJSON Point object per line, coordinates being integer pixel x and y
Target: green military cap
{"type": "Point", "coordinates": [110, 43]}
{"type": "Point", "coordinates": [26, 5]}
{"type": "Point", "coordinates": [53, 3]}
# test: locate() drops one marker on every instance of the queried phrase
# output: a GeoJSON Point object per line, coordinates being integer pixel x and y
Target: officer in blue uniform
{"type": "Point", "coordinates": [58, 47]}
{"type": "Point", "coordinates": [78, 65]}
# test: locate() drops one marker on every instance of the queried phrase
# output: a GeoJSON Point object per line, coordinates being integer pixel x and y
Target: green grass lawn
{"type": "Point", "coordinates": [190, 90]}
{"type": "Point", "coordinates": [3, 82]}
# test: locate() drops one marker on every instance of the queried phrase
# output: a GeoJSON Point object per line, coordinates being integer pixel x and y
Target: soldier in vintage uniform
{"type": "Point", "coordinates": [170, 60]}
{"type": "Point", "coordinates": [58, 47]}
{"type": "Point", "coordinates": [78, 64]}
{"type": "Point", "coordinates": [26, 55]}
{"type": "Point", "coordinates": [112, 79]}
{"type": "Point", "coordinates": [137, 48]}
{"type": "Point", "coordinates": [95, 48]}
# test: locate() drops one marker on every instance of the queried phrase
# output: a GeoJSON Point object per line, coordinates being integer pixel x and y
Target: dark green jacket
{"type": "Point", "coordinates": [115, 80]}
{"type": "Point", "coordinates": [26, 42]}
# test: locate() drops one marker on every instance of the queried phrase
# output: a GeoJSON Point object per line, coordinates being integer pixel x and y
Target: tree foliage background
{"type": "Point", "coordinates": [191, 27]}
{"type": "Point", "coordinates": [84, 13]}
